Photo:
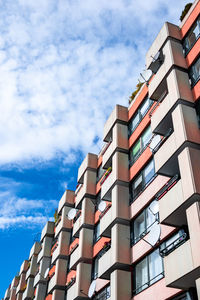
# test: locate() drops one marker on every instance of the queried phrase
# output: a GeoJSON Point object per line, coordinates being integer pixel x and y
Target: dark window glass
{"type": "Point", "coordinates": [194, 72]}
{"type": "Point", "coordinates": [142, 224]}
{"type": "Point", "coordinates": [198, 112]}
{"type": "Point", "coordinates": [100, 172]}
{"type": "Point", "coordinates": [192, 37]}
{"type": "Point", "coordinates": [140, 145]}
{"type": "Point", "coordinates": [148, 271]}
{"type": "Point", "coordinates": [142, 180]}
{"type": "Point", "coordinates": [103, 294]}
{"type": "Point", "coordinates": [96, 232]}
{"type": "Point", "coordinates": [139, 115]}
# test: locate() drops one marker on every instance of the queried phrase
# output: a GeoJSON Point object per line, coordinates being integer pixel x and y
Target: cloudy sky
{"type": "Point", "coordinates": [64, 64]}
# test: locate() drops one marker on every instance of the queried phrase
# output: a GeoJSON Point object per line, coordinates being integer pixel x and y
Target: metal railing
{"type": "Point", "coordinates": [162, 141]}
{"type": "Point", "coordinates": [148, 283]}
{"type": "Point", "coordinates": [175, 244]}
{"type": "Point", "coordinates": [167, 187]}
{"type": "Point", "coordinates": [162, 97]}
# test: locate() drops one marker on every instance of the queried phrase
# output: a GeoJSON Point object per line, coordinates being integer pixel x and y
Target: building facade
{"type": "Point", "coordinates": [131, 229]}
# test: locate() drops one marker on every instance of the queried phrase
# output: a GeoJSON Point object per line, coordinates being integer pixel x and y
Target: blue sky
{"type": "Point", "coordinates": [63, 66]}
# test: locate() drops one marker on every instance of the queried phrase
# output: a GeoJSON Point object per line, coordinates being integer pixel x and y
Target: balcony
{"type": "Point", "coordinates": [118, 256]}
{"type": "Point", "coordinates": [22, 283]}
{"type": "Point", "coordinates": [61, 248]}
{"type": "Point", "coordinates": [179, 274]}
{"type": "Point", "coordinates": [89, 163]}
{"type": "Point", "coordinates": [67, 199]}
{"type": "Point", "coordinates": [117, 211]}
{"type": "Point", "coordinates": [118, 115]}
{"type": "Point", "coordinates": [78, 288]}
{"type": "Point", "coordinates": [119, 174]}
{"type": "Point", "coordinates": [48, 230]}
{"type": "Point", "coordinates": [35, 249]}
{"type": "Point", "coordinates": [29, 291]}
{"type": "Point", "coordinates": [46, 249]}
{"type": "Point", "coordinates": [119, 143]}
{"type": "Point", "coordinates": [32, 268]}
{"type": "Point", "coordinates": [63, 223]}
{"type": "Point", "coordinates": [168, 30]}
{"type": "Point", "coordinates": [44, 265]}
{"type": "Point", "coordinates": [83, 253]}
{"type": "Point", "coordinates": [57, 279]}
{"type": "Point", "coordinates": [88, 188]}
{"type": "Point", "coordinates": [24, 267]}
{"type": "Point", "coordinates": [178, 87]}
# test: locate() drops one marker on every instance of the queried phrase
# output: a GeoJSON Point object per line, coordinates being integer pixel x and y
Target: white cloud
{"type": "Point", "coordinates": [16, 211]}
{"type": "Point", "coordinates": [63, 67]}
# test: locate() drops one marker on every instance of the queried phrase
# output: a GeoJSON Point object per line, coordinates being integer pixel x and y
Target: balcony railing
{"type": "Point", "coordinates": [105, 147]}
{"type": "Point", "coordinates": [77, 216]}
{"type": "Point", "coordinates": [105, 211]}
{"type": "Point", "coordinates": [73, 248]}
{"type": "Point", "coordinates": [79, 187]}
{"type": "Point", "coordinates": [167, 187]}
{"type": "Point", "coordinates": [106, 175]}
{"type": "Point", "coordinates": [148, 283]}
{"type": "Point", "coordinates": [54, 247]}
{"type": "Point", "coordinates": [172, 246]}
{"type": "Point", "coordinates": [162, 141]}
{"type": "Point", "coordinates": [162, 97]}
{"type": "Point", "coordinates": [71, 282]}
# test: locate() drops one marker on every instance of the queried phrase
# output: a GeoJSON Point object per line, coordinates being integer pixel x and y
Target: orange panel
{"type": "Point", "coordinates": [49, 297]}
{"type": "Point", "coordinates": [98, 187]}
{"type": "Point", "coordinates": [141, 248]}
{"type": "Point", "coordinates": [190, 20]}
{"type": "Point", "coordinates": [140, 162]}
{"type": "Point", "coordinates": [157, 291]}
{"type": "Point", "coordinates": [52, 271]}
{"type": "Point", "coordinates": [76, 241]}
{"type": "Point", "coordinates": [71, 274]}
{"type": "Point", "coordinates": [196, 91]}
{"type": "Point", "coordinates": [138, 101]}
{"type": "Point", "coordinates": [99, 245]}
{"type": "Point", "coordinates": [99, 162]}
{"type": "Point", "coordinates": [194, 52]}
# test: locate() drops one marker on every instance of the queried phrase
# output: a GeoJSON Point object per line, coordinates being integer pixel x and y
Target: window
{"type": "Point", "coordinates": [96, 232]}
{"type": "Point", "coordinates": [103, 294]}
{"type": "Point", "coordinates": [100, 172]}
{"type": "Point", "coordinates": [148, 271]}
{"type": "Point", "coordinates": [142, 224]}
{"type": "Point", "coordinates": [142, 180]}
{"type": "Point", "coordinates": [139, 115]}
{"type": "Point", "coordinates": [192, 37]}
{"type": "Point", "coordinates": [198, 112]}
{"type": "Point", "coordinates": [95, 267]}
{"type": "Point", "coordinates": [173, 242]}
{"type": "Point", "coordinates": [187, 296]}
{"type": "Point", "coordinates": [194, 72]}
{"type": "Point", "coordinates": [140, 145]}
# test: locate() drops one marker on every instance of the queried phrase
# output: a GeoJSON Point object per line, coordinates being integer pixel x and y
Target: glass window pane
{"type": "Point", "coordinates": [135, 150]}
{"type": "Point", "coordinates": [141, 275]}
{"type": "Point", "coordinates": [149, 172]}
{"type": "Point", "coordinates": [155, 266]}
{"type": "Point", "coordinates": [139, 226]}
{"type": "Point", "coordinates": [150, 218]}
{"type": "Point", "coordinates": [134, 122]}
{"type": "Point", "coordinates": [146, 136]}
{"type": "Point", "coordinates": [137, 186]}
{"type": "Point", "coordinates": [145, 107]}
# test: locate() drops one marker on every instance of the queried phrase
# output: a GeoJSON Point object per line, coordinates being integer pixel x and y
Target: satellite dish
{"type": "Point", "coordinates": [154, 234]}
{"type": "Point", "coordinates": [72, 213]}
{"type": "Point", "coordinates": [46, 273]}
{"type": "Point", "coordinates": [145, 76]}
{"type": "Point", "coordinates": [92, 289]}
{"type": "Point", "coordinates": [156, 139]}
{"type": "Point", "coordinates": [155, 57]}
{"type": "Point", "coordinates": [154, 207]}
{"type": "Point", "coordinates": [102, 206]}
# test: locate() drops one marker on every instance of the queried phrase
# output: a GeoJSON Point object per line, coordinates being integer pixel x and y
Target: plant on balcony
{"type": "Point", "coordinates": [138, 87]}
{"type": "Point", "coordinates": [108, 171]}
{"type": "Point", "coordinates": [107, 245]}
{"type": "Point", "coordinates": [24, 287]}
{"type": "Point", "coordinates": [185, 11]}
{"type": "Point", "coordinates": [56, 216]}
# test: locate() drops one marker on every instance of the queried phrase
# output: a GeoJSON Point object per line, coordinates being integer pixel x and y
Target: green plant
{"type": "Point", "coordinates": [184, 12]}
{"type": "Point", "coordinates": [138, 87]}
{"type": "Point", "coordinates": [56, 216]}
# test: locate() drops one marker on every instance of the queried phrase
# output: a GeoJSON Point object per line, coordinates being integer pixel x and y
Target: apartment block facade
{"type": "Point", "coordinates": [131, 229]}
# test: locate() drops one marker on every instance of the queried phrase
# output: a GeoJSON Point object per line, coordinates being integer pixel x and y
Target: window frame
{"type": "Point", "coordinates": [187, 46]}
{"type": "Point", "coordinates": [140, 115]}
{"type": "Point", "coordinates": [191, 72]}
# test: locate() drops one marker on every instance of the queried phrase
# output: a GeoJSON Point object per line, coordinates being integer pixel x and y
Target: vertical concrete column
{"type": "Point", "coordinates": [41, 291]}
{"type": "Point", "coordinates": [198, 288]}
{"type": "Point", "coordinates": [193, 219]}
{"type": "Point", "coordinates": [120, 244]}
{"type": "Point", "coordinates": [120, 285]}
{"type": "Point", "coordinates": [58, 295]}
{"type": "Point", "coordinates": [120, 202]}
{"type": "Point", "coordinates": [61, 271]}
